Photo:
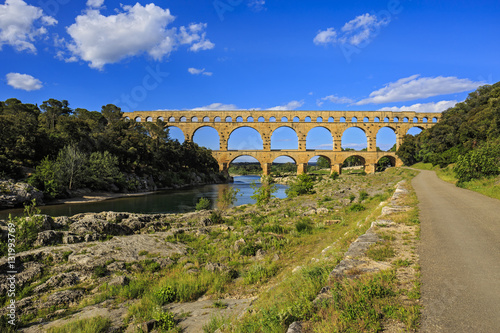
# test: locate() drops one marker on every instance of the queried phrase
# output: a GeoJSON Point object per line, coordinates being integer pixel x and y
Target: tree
{"type": "Point", "coordinates": [54, 109]}
{"type": "Point", "coordinates": [265, 192]}
{"type": "Point", "coordinates": [408, 150]}
{"type": "Point", "coordinates": [71, 167]}
{"type": "Point", "coordinates": [323, 162]}
{"type": "Point", "coordinates": [302, 185]}
{"type": "Point", "coordinates": [228, 197]}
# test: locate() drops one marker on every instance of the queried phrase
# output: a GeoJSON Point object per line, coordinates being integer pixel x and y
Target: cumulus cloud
{"type": "Point", "coordinates": [358, 30]}
{"type": "Point", "coordinates": [21, 24]}
{"type": "Point", "coordinates": [423, 107]}
{"type": "Point", "coordinates": [134, 30]}
{"type": "Point", "coordinates": [95, 3]}
{"type": "Point", "coordinates": [289, 106]}
{"type": "Point", "coordinates": [23, 81]}
{"type": "Point", "coordinates": [334, 99]}
{"type": "Point", "coordinates": [196, 71]}
{"type": "Point", "coordinates": [217, 106]}
{"type": "Point", "coordinates": [328, 36]}
{"type": "Point", "coordinates": [416, 87]}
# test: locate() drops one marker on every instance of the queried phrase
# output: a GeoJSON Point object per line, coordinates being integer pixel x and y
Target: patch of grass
{"type": "Point", "coordinates": [402, 263]}
{"type": "Point", "coordinates": [219, 304]}
{"type": "Point", "coordinates": [100, 271]}
{"type": "Point", "coordinates": [214, 324]}
{"type": "Point", "coordinates": [259, 273]}
{"type": "Point", "coordinates": [87, 325]}
{"type": "Point", "coordinates": [380, 252]}
{"type": "Point", "coordinates": [356, 207]}
{"type": "Point", "coordinates": [304, 225]}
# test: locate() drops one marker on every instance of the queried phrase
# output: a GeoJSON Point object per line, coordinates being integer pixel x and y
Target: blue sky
{"type": "Point", "coordinates": [249, 54]}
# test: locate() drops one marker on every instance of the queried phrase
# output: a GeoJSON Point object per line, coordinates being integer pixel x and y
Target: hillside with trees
{"type": "Point", "coordinates": [467, 136]}
{"type": "Point", "coordinates": [63, 150]}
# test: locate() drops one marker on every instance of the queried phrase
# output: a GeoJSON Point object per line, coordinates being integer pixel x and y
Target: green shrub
{"type": "Point", "coordinates": [352, 197]}
{"type": "Point", "coordinates": [363, 195]}
{"type": "Point", "coordinates": [165, 295]}
{"type": "Point", "coordinates": [334, 175]}
{"type": "Point", "coordinates": [303, 185]}
{"type": "Point", "coordinates": [216, 217]}
{"type": "Point", "coordinates": [250, 249]}
{"type": "Point", "coordinates": [100, 271]}
{"type": "Point", "coordinates": [203, 204]}
{"type": "Point", "coordinates": [265, 192]}
{"type": "Point", "coordinates": [478, 163]}
{"type": "Point", "coordinates": [166, 321]}
{"type": "Point", "coordinates": [357, 207]}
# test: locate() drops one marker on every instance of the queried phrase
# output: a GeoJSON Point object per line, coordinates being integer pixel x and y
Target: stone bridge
{"type": "Point", "coordinates": [265, 122]}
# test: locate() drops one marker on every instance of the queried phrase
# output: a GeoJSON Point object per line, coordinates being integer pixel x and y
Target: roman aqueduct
{"type": "Point", "coordinates": [266, 122]}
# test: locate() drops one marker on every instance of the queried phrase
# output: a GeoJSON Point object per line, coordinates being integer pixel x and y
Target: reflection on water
{"type": "Point", "coordinates": [172, 201]}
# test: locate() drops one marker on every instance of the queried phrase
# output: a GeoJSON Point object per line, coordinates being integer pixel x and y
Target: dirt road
{"type": "Point", "coordinates": [459, 256]}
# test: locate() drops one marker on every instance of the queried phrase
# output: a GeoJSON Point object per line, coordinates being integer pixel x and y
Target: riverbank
{"type": "Point", "coordinates": [247, 260]}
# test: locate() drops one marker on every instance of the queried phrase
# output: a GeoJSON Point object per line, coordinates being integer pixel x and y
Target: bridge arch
{"type": "Point", "coordinates": [207, 136]}
{"type": "Point", "coordinates": [244, 155]}
{"type": "Point", "coordinates": [386, 138]}
{"type": "Point", "coordinates": [175, 133]}
{"type": "Point", "coordinates": [249, 138]}
{"type": "Point", "coordinates": [354, 137]}
{"type": "Point", "coordinates": [284, 137]}
{"type": "Point", "coordinates": [384, 162]}
{"type": "Point", "coordinates": [319, 137]}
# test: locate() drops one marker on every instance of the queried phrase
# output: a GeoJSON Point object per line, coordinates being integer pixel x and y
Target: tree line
{"type": "Point", "coordinates": [468, 136]}
{"type": "Point", "coordinates": [65, 149]}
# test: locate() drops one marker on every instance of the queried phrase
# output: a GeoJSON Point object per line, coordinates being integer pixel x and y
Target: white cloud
{"type": "Point", "coordinates": [23, 81]}
{"type": "Point", "coordinates": [289, 106]}
{"type": "Point", "coordinates": [257, 5]}
{"type": "Point", "coordinates": [95, 3]}
{"type": "Point", "coordinates": [217, 106]}
{"type": "Point", "coordinates": [21, 24]}
{"type": "Point", "coordinates": [334, 99]}
{"type": "Point", "coordinates": [328, 36]}
{"type": "Point", "coordinates": [423, 107]}
{"type": "Point", "coordinates": [358, 30]}
{"type": "Point", "coordinates": [134, 30]}
{"type": "Point", "coordinates": [196, 71]}
{"type": "Point", "coordinates": [415, 87]}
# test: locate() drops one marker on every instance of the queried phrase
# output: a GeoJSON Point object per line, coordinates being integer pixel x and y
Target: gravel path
{"type": "Point", "coordinates": [459, 257]}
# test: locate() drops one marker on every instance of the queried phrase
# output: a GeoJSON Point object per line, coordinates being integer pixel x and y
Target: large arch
{"type": "Point", "coordinates": [284, 165]}
{"type": "Point", "coordinates": [415, 130]}
{"type": "Point", "coordinates": [284, 137]}
{"type": "Point", "coordinates": [245, 138]}
{"type": "Point", "coordinates": [355, 138]}
{"type": "Point", "coordinates": [386, 161]}
{"type": "Point", "coordinates": [318, 162]}
{"type": "Point", "coordinates": [386, 138]}
{"type": "Point", "coordinates": [175, 133]}
{"type": "Point", "coordinates": [207, 136]}
{"type": "Point", "coordinates": [319, 138]}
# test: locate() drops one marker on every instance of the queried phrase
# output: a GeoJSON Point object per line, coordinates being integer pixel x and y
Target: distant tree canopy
{"type": "Point", "coordinates": [467, 133]}
{"type": "Point", "coordinates": [74, 148]}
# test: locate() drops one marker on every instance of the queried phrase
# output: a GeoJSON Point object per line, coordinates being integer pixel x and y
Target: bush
{"type": "Point", "coordinates": [478, 163]}
{"type": "Point", "coordinates": [334, 175]}
{"type": "Point", "coordinates": [363, 195]}
{"type": "Point", "coordinates": [303, 185]}
{"type": "Point", "coordinates": [216, 217]}
{"type": "Point", "coordinates": [203, 204]}
{"type": "Point", "coordinates": [165, 295]}
{"type": "Point", "coordinates": [264, 193]}
{"type": "Point", "coordinates": [166, 321]}
{"type": "Point", "coordinates": [357, 207]}
{"type": "Point", "coordinates": [100, 271]}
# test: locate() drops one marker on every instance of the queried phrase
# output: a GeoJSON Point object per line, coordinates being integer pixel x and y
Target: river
{"type": "Point", "coordinates": [171, 201]}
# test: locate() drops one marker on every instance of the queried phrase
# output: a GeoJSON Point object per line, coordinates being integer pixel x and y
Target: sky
{"type": "Point", "coordinates": [250, 54]}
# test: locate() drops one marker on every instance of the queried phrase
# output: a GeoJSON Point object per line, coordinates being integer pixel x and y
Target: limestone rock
{"type": "Point", "coordinates": [65, 297]}
{"type": "Point", "coordinates": [49, 237]}
{"type": "Point", "coordinates": [15, 194]}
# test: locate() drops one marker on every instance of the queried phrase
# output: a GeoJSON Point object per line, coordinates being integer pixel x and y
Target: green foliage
{"type": "Point", "coordinates": [216, 217]}
{"type": "Point", "coordinates": [166, 321]}
{"type": "Point", "coordinates": [203, 204]}
{"type": "Point", "coordinates": [165, 295]}
{"type": "Point", "coordinates": [323, 162]}
{"type": "Point", "coordinates": [250, 249]}
{"type": "Point", "coordinates": [363, 195]}
{"type": "Point", "coordinates": [228, 197]}
{"type": "Point", "coordinates": [304, 184]}
{"type": "Point", "coordinates": [356, 207]}
{"type": "Point", "coordinates": [478, 163]}
{"type": "Point", "coordinates": [264, 193]}
{"type": "Point", "coordinates": [334, 175]}
{"type": "Point", "coordinates": [352, 197]}
{"type": "Point", "coordinates": [27, 227]}
{"type": "Point", "coordinates": [463, 128]}
{"type": "Point", "coordinates": [304, 225]}
{"type": "Point", "coordinates": [88, 325]}
{"type": "Point", "coordinates": [100, 271]}
{"type": "Point", "coordinates": [260, 273]}
{"type": "Point", "coordinates": [214, 324]}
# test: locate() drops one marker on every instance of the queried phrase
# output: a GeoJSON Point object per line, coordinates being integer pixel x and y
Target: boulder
{"type": "Point", "coordinates": [15, 194]}
{"type": "Point", "coordinates": [49, 237]}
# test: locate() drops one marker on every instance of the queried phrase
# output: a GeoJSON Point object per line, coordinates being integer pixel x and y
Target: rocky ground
{"type": "Point", "coordinates": [90, 264]}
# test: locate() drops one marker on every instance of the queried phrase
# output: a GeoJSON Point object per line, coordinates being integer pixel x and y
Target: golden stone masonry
{"type": "Point", "coordinates": [266, 122]}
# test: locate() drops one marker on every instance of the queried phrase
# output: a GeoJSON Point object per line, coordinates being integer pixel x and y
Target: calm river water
{"type": "Point", "coordinates": [171, 201]}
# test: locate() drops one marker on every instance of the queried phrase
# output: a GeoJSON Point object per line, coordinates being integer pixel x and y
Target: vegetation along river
{"type": "Point", "coordinates": [171, 201]}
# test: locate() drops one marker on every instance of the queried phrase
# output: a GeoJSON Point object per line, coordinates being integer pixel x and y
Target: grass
{"type": "Point", "coordinates": [88, 325]}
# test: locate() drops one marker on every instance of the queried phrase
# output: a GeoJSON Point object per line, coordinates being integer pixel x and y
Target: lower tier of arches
{"type": "Point", "coordinates": [301, 158]}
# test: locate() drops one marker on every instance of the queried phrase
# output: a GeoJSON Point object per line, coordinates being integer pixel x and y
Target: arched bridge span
{"type": "Point", "coordinates": [266, 122]}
